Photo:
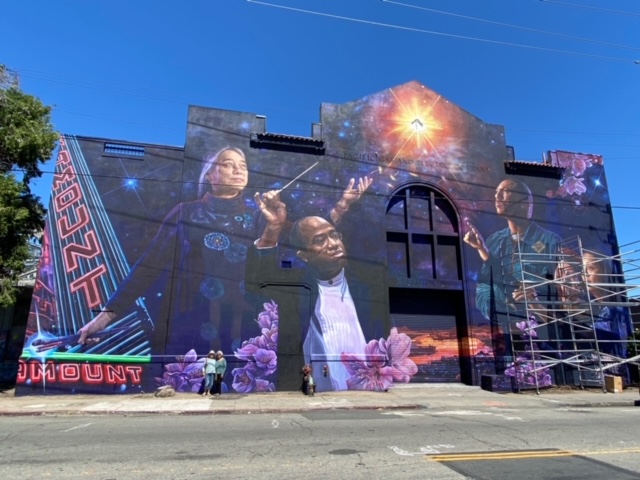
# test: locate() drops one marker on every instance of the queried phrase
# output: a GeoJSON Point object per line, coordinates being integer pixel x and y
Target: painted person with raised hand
{"type": "Point", "coordinates": [196, 262]}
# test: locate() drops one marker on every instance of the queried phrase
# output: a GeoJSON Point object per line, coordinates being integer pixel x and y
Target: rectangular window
{"type": "Point", "coordinates": [422, 259]}
{"type": "Point", "coordinates": [122, 150]}
{"type": "Point", "coordinates": [397, 255]}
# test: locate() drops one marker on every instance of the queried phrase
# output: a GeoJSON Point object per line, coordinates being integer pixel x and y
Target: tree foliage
{"type": "Point", "coordinates": [27, 140]}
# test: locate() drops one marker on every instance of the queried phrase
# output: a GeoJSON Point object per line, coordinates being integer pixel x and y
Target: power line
{"type": "Point", "coordinates": [518, 27]}
{"type": "Point", "coordinates": [135, 87]}
{"type": "Point", "coordinates": [443, 34]}
{"type": "Point", "coordinates": [563, 132]}
{"type": "Point", "coordinates": [120, 120]}
{"type": "Point", "coordinates": [566, 132]}
{"type": "Point", "coordinates": [510, 130]}
{"type": "Point", "coordinates": [585, 144]}
{"type": "Point", "coordinates": [291, 189]}
{"type": "Point", "coordinates": [590, 7]}
{"type": "Point", "coordinates": [175, 102]}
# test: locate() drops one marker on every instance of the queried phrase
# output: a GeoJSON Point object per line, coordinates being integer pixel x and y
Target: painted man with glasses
{"type": "Point", "coordinates": [334, 326]}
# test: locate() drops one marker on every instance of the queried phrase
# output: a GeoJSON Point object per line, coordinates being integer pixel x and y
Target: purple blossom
{"type": "Point", "coordinates": [260, 353]}
{"type": "Point", "coordinates": [270, 336]}
{"type": "Point", "coordinates": [384, 361]}
{"type": "Point", "coordinates": [525, 369]}
{"type": "Point", "coordinates": [573, 185]}
{"type": "Point", "coordinates": [264, 320]}
{"type": "Point", "coordinates": [528, 327]}
{"type": "Point", "coordinates": [368, 371]}
{"type": "Point", "coordinates": [398, 348]}
{"type": "Point", "coordinates": [247, 351]}
{"type": "Point", "coordinates": [264, 386]}
{"type": "Point", "coordinates": [528, 372]}
{"type": "Point", "coordinates": [185, 375]}
{"type": "Point", "coordinates": [266, 360]}
{"type": "Point", "coordinates": [575, 165]}
{"type": "Point", "coordinates": [269, 315]}
{"type": "Point", "coordinates": [243, 379]}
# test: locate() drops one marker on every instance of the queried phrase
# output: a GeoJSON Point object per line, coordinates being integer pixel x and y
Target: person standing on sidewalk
{"type": "Point", "coordinates": [209, 370]}
{"type": "Point", "coordinates": [221, 368]}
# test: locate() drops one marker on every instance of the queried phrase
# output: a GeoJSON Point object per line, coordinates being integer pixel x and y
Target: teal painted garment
{"type": "Point", "coordinates": [536, 259]}
{"type": "Point", "coordinates": [221, 366]}
{"type": "Point", "coordinates": [210, 365]}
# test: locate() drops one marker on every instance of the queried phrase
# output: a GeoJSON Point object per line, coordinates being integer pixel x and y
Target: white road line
{"type": "Point", "coordinates": [84, 425]}
{"type": "Point", "coordinates": [404, 414]}
{"type": "Point", "coordinates": [549, 400]}
{"type": "Point", "coordinates": [429, 449]}
{"type": "Point", "coordinates": [471, 413]}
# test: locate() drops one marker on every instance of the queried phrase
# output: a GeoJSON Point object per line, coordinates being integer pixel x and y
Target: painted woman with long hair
{"type": "Point", "coordinates": [195, 263]}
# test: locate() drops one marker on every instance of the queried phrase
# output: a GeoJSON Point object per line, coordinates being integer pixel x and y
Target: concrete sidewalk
{"type": "Point", "coordinates": [402, 397]}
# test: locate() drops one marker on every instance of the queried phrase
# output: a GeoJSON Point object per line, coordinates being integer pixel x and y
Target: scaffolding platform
{"type": "Point", "coordinates": [572, 325]}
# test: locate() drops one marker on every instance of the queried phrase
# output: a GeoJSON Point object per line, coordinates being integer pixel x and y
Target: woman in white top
{"type": "Point", "coordinates": [209, 370]}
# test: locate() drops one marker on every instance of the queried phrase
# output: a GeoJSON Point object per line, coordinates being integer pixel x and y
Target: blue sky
{"type": "Point", "coordinates": [559, 75]}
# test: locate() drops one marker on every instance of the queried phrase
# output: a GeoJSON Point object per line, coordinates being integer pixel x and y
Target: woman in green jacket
{"type": "Point", "coordinates": [221, 367]}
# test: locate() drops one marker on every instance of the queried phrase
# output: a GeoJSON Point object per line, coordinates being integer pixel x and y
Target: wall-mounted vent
{"type": "Point", "coordinates": [287, 143]}
{"type": "Point", "coordinates": [123, 150]}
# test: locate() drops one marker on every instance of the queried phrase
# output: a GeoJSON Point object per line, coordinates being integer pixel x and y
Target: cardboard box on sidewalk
{"type": "Point", "coordinates": [613, 384]}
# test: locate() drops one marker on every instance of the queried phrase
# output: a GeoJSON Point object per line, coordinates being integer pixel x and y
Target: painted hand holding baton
{"type": "Point", "coordinates": [46, 344]}
{"type": "Point", "coordinates": [298, 177]}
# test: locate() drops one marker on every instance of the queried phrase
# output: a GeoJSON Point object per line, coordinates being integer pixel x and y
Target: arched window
{"type": "Point", "coordinates": [423, 241]}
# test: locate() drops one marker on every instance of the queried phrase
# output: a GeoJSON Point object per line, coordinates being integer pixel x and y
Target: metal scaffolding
{"type": "Point", "coordinates": [569, 320]}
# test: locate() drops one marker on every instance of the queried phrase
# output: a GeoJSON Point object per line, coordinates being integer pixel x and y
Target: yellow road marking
{"type": "Point", "coordinates": [462, 457]}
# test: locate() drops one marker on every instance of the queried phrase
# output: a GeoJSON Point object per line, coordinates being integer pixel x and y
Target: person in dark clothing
{"type": "Point", "coordinates": [221, 368]}
{"type": "Point", "coordinates": [305, 372]}
{"type": "Point", "coordinates": [196, 260]}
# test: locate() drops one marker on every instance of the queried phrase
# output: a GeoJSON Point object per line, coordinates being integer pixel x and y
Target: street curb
{"type": "Point", "coordinates": [266, 411]}
{"type": "Point", "coordinates": [599, 405]}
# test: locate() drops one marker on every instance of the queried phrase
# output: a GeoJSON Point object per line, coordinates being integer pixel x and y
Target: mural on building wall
{"type": "Point", "coordinates": [281, 258]}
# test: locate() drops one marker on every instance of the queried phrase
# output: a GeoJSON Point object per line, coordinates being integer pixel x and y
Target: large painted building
{"type": "Point", "coordinates": [400, 242]}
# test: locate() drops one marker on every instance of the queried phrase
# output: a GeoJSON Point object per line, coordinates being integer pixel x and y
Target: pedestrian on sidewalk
{"type": "Point", "coordinates": [306, 372]}
{"type": "Point", "coordinates": [221, 368]}
{"type": "Point", "coordinates": [209, 370]}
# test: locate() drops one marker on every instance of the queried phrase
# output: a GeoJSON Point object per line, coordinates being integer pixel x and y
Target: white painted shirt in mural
{"type": "Point", "coordinates": [334, 330]}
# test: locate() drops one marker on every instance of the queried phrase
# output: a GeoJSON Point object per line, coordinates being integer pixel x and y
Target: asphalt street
{"type": "Point", "coordinates": [486, 442]}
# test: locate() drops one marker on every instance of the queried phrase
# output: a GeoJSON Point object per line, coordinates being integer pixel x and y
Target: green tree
{"type": "Point", "coordinates": [27, 140]}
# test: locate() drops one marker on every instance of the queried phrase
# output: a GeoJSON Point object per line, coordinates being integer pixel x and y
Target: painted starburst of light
{"type": "Point", "coordinates": [130, 183]}
{"type": "Point", "coordinates": [413, 121]}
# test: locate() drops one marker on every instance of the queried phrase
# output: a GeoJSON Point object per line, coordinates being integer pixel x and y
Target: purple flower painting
{"type": "Point", "coordinates": [384, 362]}
{"type": "Point", "coordinates": [528, 372]}
{"type": "Point", "coordinates": [260, 355]}
{"type": "Point", "coordinates": [528, 327]}
{"type": "Point", "coordinates": [575, 175]}
{"type": "Point", "coordinates": [185, 375]}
